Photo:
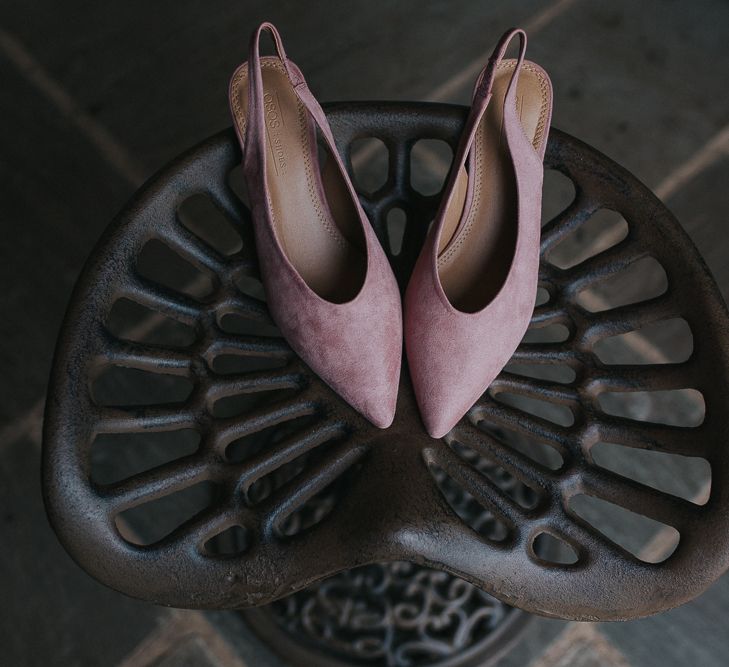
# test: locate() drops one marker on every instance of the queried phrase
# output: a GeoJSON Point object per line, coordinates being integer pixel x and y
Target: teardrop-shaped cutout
{"type": "Point", "coordinates": [686, 477]}
{"type": "Point", "coordinates": [430, 160]}
{"type": "Point", "coordinates": [162, 265]}
{"type": "Point", "coordinates": [674, 407]}
{"type": "Point", "coordinates": [235, 364]}
{"type": "Point", "coordinates": [552, 333]}
{"type": "Point", "coordinates": [645, 538]}
{"type": "Point", "coordinates": [233, 541]}
{"type": "Point", "coordinates": [250, 286]}
{"type": "Point", "coordinates": [118, 386]}
{"type": "Point", "coordinates": [199, 214]}
{"type": "Point", "coordinates": [666, 342]}
{"type": "Point", "coordinates": [558, 192]}
{"type": "Point", "coordinates": [396, 223]}
{"type": "Point", "coordinates": [238, 324]}
{"type": "Point", "coordinates": [554, 412]}
{"type": "Point", "coordinates": [551, 549]}
{"type": "Point", "coordinates": [152, 521]}
{"type": "Point", "coordinates": [239, 405]}
{"type": "Point", "coordinates": [561, 373]}
{"type": "Point", "coordinates": [542, 297]}
{"type": "Point", "coordinates": [369, 158]}
{"type": "Point", "coordinates": [128, 320]}
{"type": "Point", "coordinates": [602, 230]}
{"type": "Point", "coordinates": [640, 281]}
{"type": "Point", "coordinates": [116, 456]}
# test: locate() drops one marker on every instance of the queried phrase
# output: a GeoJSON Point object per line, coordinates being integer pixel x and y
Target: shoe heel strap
{"type": "Point", "coordinates": [255, 51]}
{"type": "Point", "coordinates": [481, 99]}
{"type": "Point", "coordinates": [255, 91]}
{"type": "Point", "coordinates": [252, 140]}
{"type": "Point", "coordinates": [485, 80]}
{"type": "Point", "coordinates": [255, 95]}
{"type": "Point", "coordinates": [485, 83]}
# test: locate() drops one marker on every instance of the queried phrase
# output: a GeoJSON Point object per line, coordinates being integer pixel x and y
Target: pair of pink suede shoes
{"type": "Point", "coordinates": [329, 285]}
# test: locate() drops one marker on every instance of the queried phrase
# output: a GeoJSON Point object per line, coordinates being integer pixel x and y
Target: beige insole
{"type": "Point", "coordinates": [314, 217]}
{"type": "Point", "coordinates": [477, 245]}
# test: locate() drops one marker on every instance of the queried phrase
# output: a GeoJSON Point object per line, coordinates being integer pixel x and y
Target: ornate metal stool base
{"type": "Point", "coordinates": [395, 614]}
{"type": "Point", "coordinates": [288, 486]}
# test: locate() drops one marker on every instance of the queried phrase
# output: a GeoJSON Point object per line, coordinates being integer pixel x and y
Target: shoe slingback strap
{"type": "Point", "coordinates": [481, 98]}
{"type": "Point", "coordinates": [253, 140]}
{"type": "Point", "coordinates": [485, 81]}
{"type": "Point", "coordinates": [484, 86]}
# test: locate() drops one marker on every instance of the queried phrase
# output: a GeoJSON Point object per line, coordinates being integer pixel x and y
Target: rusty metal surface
{"type": "Point", "coordinates": [390, 505]}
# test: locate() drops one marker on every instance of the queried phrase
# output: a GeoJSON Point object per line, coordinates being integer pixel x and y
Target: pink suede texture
{"type": "Point", "coordinates": [454, 356]}
{"type": "Point", "coordinates": [355, 347]}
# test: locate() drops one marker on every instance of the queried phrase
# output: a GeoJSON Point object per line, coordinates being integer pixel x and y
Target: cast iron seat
{"type": "Point", "coordinates": [299, 487]}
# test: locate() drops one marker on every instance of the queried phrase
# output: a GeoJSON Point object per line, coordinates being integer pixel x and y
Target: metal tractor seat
{"type": "Point", "coordinates": [295, 500]}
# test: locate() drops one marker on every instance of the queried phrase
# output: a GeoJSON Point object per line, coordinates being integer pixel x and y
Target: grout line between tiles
{"type": "Point", "coordinates": [708, 155]}
{"type": "Point", "coordinates": [565, 650]}
{"type": "Point", "coordinates": [29, 424]}
{"type": "Point", "coordinates": [711, 152]}
{"type": "Point", "coordinates": [466, 76]}
{"type": "Point", "coordinates": [98, 135]}
{"type": "Point", "coordinates": [156, 644]}
{"type": "Point", "coordinates": [180, 626]}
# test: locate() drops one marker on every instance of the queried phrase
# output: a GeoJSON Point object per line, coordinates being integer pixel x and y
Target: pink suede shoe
{"type": "Point", "coordinates": [328, 283]}
{"type": "Point", "coordinates": [472, 292]}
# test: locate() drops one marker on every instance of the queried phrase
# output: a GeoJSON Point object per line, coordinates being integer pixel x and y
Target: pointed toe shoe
{"type": "Point", "coordinates": [328, 283]}
{"type": "Point", "coordinates": [472, 292]}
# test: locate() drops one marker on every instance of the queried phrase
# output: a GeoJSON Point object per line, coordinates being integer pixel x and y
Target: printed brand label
{"type": "Point", "coordinates": [274, 123]}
